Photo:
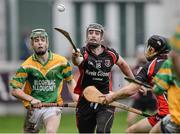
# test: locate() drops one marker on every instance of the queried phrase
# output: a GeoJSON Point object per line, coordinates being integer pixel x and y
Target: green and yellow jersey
{"type": "Point", "coordinates": [43, 81]}
{"type": "Point", "coordinates": [166, 80]}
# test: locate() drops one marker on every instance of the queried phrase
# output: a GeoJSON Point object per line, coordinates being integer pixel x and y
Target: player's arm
{"type": "Point", "coordinates": [156, 89]}
{"type": "Point", "coordinates": [77, 58]}
{"type": "Point", "coordinates": [122, 64]}
{"type": "Point", "coordinates": [162, 79]}
{"type": "Point", "coordinates": [18, 93]}
{"type": "Point", "coordinates": [71, 85]}
{"type": "Point", "coordinates": [161, 84]}
{"type": "Point", "coordinates": [123, 92]}
{"type": "Point", "coordinates": [17, 84]}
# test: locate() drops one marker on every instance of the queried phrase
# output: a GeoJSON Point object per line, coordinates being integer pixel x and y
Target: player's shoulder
{"type": "Point", "coordinates": [59, 58]}
{"type": "Point", "coordinates": [167, 63]}
{"type": "Point", "coordinates": [111, 49]}
{"type": "Point", "coordinates": [28, 61]}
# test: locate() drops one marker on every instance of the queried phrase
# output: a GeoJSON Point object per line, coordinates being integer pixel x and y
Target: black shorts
{"type": "Point", "coordinates": [144, 103]}
{"type": "Point", "coordinates": [91, 116]}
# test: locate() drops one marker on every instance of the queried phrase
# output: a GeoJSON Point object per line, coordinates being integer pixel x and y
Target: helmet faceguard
{"type": "Point", "coordinates": [97, 27]}
{"type": "Point", "coordinates": [155, 46]}
{"type": "Point", "coordinates": [38, 33]}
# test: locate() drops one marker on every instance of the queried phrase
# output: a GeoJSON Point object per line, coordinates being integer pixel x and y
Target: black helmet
{"type": "Point", "coordinates": [96, 26]}
{"type": "Point", "coordinates": [159, 45]}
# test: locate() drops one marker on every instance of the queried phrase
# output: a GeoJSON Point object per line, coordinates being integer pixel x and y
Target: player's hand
{"type": "Point", "coordinates": [76, 54]}
{"type": "Point", "coordinates": [77, 58]}
{"type": "Point", "coordinates": [144, 90]}
{"type": "Point", "coordinates": [36, 103]}
{"type": "Point", "coordinates": [108, 98]}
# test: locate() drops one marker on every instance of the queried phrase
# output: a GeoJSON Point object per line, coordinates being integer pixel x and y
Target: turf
{"type": "Point", "coordinates": [14, 124]}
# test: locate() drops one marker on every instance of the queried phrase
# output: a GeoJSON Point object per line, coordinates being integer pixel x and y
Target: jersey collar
{"type": "Point", "coordinates": [105, 48]}
{"type": "Point", "coordinates": [50, 56]}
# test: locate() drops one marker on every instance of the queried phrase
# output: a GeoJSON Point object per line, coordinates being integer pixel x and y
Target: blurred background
{"type": "Point", "coordinates": [128, 24]}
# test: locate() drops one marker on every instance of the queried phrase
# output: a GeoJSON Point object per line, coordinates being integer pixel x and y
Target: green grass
{"type": "Point", "coordinates": [14, 124]}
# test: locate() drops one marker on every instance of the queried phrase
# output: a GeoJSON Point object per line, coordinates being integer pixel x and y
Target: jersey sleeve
{"type": "Point", "coordinates": [19, 79]}
{"type": "Point", "coordinates": [67, 72]}
{"type": "Point", "coordinates": [114, 54]}
{"type": "Point", "coordinates": [141, 74]}
{"type": "Point", "coordinates": [163, 78]}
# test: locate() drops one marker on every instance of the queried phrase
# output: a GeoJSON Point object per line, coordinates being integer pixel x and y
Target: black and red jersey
{"type": "Point", "coordinates": [146, 73]}
{"type": "Point", "coordinates": [96, 70]}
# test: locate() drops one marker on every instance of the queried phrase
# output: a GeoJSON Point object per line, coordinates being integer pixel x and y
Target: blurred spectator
{"type": "Point", "coordinates": [25, 47]}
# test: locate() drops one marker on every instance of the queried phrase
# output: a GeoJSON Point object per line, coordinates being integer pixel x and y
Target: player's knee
{"type": "Point", "coordinates": [129, 122]}
{"type": "Point", "coordinates": [129, 130]}
{"type": "Point", "coordinates": [131, 119]}
{"type": "Point", "coordinates": [102, 130]}
{"type": "Point", "coordinates": [50, 130]}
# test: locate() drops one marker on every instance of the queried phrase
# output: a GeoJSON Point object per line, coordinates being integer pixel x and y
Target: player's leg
{"type": "Point", "coordinates": [85, 116]}
{"type": "Point", "coordinates": [51, 118]}
{"type": "Point", "coordinates": [52, 124]}
{"type": "Point", "coordinates": [104, 119]}
{"type": "Point", "coordinates": [167, 126]}
{"type": "Point", "coordinates": [137, 104]}
{"type": "Point", "coordinates": [156, 128]}
{"type": "Point", "coordinates": [139, 127]}
{"type": "Point", "coordinates": [86, 123]}
{"type": "Point", "coordinates": [144, 104]}
{"type": "Point", "coordinates": [131, 119]}
{"type": "Point", "coordinates": [32, 121]}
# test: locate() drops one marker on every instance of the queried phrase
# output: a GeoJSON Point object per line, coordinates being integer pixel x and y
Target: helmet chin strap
{"type": "Point", "coordinates": [150, 57]}
{"type": "Point", "coordinates": [92, 45]}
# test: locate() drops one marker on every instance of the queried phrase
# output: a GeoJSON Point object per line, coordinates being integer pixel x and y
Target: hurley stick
{"type": "Point", "coordinates": [137, 82]}
{"type": "Point", "coordinates": [67, 35]}
{"type": "Point", "coordinates": [94, 95]}
{"type": "Point", "coordinates": [70, 104]}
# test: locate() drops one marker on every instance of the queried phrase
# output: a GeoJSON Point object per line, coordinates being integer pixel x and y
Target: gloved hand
{"type": "Point", "coordinates": [77, 58]}
{"type": "Point", "coordinates": [36, 103]}
{"type": "Point", "coordinates": [76, 54]}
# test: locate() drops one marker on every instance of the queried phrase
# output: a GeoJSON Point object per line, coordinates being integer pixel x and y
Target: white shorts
{"type": "Point", "coordinates": [167, 126]}
{"type": "Point", "coordinates": [36, 117]}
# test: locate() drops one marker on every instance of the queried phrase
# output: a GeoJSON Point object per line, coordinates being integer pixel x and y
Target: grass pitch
{"type": "Point", "coordinates": [14, 124]}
